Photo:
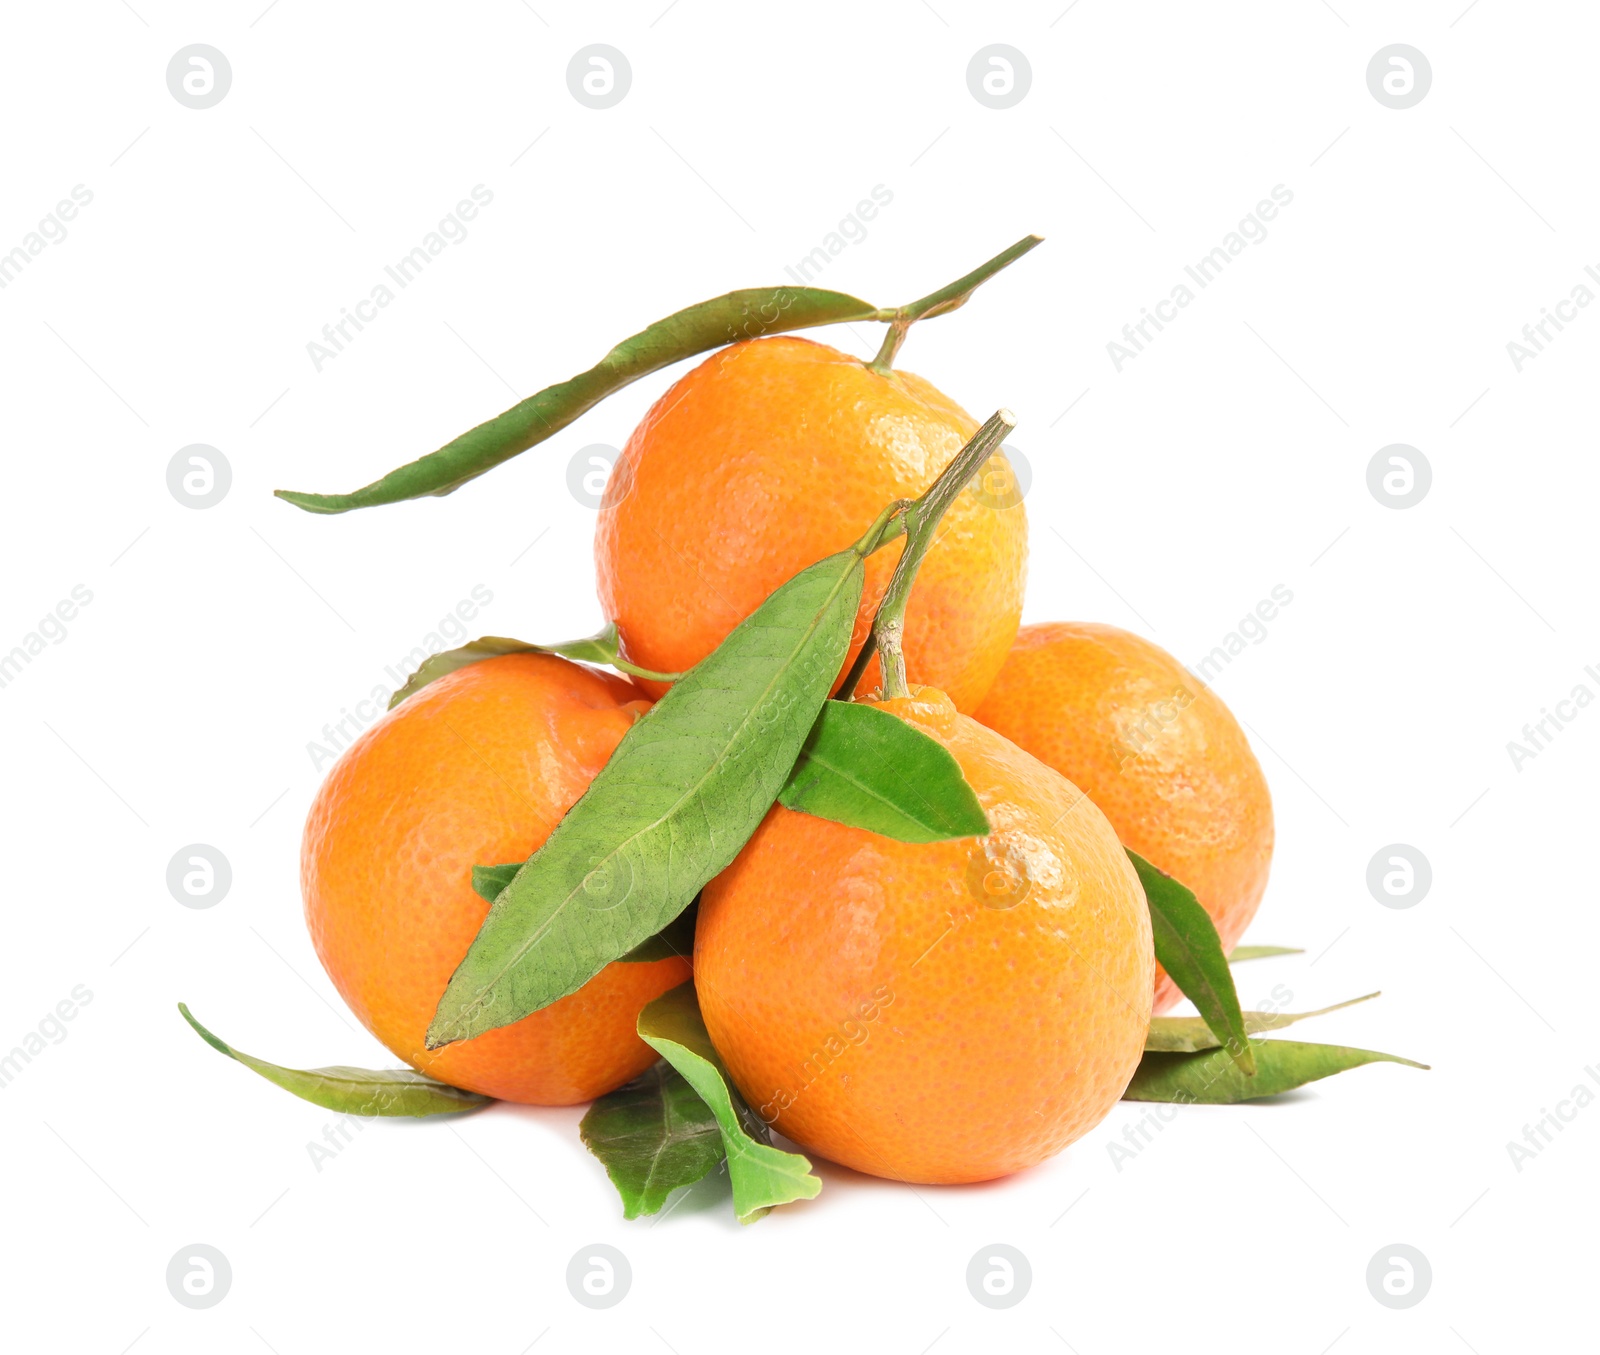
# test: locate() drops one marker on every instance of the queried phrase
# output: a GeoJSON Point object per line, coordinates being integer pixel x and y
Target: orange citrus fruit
{"type": "Point", "coordinates": [943, 1012]}
{"type": "Point", "coordinates": [1156, 749]}
{"type": "Point", "coordinates": [777, 452]}
{"type": "Point", "coordinates": [476, 769]}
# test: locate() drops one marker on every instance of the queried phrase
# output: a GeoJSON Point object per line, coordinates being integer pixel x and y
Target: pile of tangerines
{"type": "Point", "coordinates": [929, 1011]}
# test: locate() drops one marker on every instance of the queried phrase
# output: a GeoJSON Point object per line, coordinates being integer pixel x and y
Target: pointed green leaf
{"type": "Point", "coordinates": [652, 1136]}
{"type": "Point", "coordinates": [762, 1176]}
{"type": "Point", "coordinates": [1187, 1034]}
{"type": "Point", "coordinates": [676, 938]}
{"type": "Point", "coordinates": [355, 1091]}
{"type": "Point", "coordinates": [684, 790]}
{"type": "Point", "coordinates": [1239, 954]}
{"type": "Point", "coordinates": [1211, 1078]}
{"type": "Point", "coordinates": [864, 767]}
{"type": "Point", "coordinates": [1188, 948]}
{"type": "Point", "coordinates": [602, 648]}
{"type": "Point", "coordinates": [746, 314]}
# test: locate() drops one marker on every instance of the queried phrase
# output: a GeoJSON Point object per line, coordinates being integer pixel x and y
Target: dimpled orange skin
{"type": "Point", "coordinates": [1156, 749]}
{"type": "Point", "coordinates": [475, 769]}
{"type": "Point", "coordinates": [773, 454]}
{"type": "Point", "coordinates": [875, 1011]}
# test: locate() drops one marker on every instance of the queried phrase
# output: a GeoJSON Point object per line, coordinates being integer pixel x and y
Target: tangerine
{"type": "Point", "coordinates": [775, 453]}
{"type": "Point", "coordinates": [1156, 749]}
{"type": "Point", "coordinates": [942, 1012]}
{"type": "Point", "coordinates": [475, 769]}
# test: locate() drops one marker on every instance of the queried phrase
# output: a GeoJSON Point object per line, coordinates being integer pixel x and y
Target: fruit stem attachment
{"type": "Point", "coordinates": [890, 349]}
{"type": "Point", "coordinates": [921, 519]}
{"type": "Point", "coordinates": [946, 299]}
{"type": "Point", "coordinates": [886, 527]}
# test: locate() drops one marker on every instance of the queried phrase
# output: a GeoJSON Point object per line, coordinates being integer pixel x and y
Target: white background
{"type": "Point", "coordinates": [1169, 498]}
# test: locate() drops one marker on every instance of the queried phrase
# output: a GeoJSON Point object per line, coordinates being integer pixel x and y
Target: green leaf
{"type": "Point", "coordinates": [1239, 954]}
{"type": "Point", "coordinates": [355, 1091]}
{"type": "Point", "coordinates": [488, 881]}
{"type": "Point", "coordinates": [762, 1176]}
{"type": "Point", "coordinates": [684, 790]}
{"type": "Point", "coordinates": [602, 648]}
{"type": "Point", "coordinates": [1189, 949]}
{"type": "Point", "coordinates": [1187, 1034]}
{"type": "Point", "coordinates": [1211, 1078]}
{"type": "Point", "coordinates": [864, 767]}
{"type": "Point", "coordinates": [747, 314]}
{"type": "Point", "coordinates": [652, 1136]}
{"type": "Point", "coordinates": [676, 938]}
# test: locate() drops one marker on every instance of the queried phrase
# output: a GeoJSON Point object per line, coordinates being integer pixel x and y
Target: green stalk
{"type": "Point", "coordinates": [920, 523]}
{"type": "Point", "coordinates": [648, 674]}
{"type": "Point", "coordinates": [946, 299]}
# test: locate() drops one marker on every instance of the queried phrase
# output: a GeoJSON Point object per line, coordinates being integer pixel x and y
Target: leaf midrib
{"type": "Point", "coordinates": [1194, 1028]}
{"type": "Point", "coordinates": [1198, 969]}
{"type": "Point", "coordinates": [672, 1126]}
{"type": "Point", "coordinates": [1193, 958]}
{"type": "Point", "coordinates": [393, 1082]}
{"type": "Point", "coordinates": [876, 795]}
